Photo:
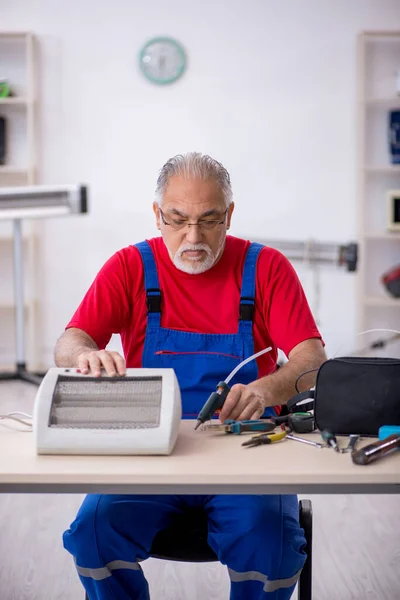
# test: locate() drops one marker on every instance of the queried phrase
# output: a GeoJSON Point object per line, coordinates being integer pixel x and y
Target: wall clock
{"type": "Point", "coordinates": [162, 60]}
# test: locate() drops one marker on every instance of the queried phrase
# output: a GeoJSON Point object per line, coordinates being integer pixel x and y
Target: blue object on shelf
{"type": "Point", "coordinates": [394, 136]}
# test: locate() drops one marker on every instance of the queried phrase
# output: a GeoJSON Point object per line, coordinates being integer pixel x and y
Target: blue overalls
{"type": "Point", "coordinates": [257, 537]}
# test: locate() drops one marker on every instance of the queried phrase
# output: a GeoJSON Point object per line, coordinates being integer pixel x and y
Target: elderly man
{"type": "Point", "coordinates": [218, 300]}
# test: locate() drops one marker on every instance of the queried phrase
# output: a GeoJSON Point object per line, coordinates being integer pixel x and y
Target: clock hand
{"type": "Point", "coordinates": [162, 64]}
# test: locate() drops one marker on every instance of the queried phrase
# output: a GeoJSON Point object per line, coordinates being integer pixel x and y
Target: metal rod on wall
{"type": "Point", "coordinates": [314, 251]}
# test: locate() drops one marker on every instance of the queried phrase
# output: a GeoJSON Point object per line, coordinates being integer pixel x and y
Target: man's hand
{"type": "Point", "coordinates": [94, 360]}
{"type": "Point", "coordinates": [242, 403]}
{"type": "Point", "coordinates": [249, 401]}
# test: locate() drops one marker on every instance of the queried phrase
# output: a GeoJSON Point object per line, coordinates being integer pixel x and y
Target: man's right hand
{"type": "Point", "coordinates": [94, 361]}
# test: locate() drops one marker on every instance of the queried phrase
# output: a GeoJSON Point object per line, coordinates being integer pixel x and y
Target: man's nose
{"type": "Point", "coordinates": [194, 234]}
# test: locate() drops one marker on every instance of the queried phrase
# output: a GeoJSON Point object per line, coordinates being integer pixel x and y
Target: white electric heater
{"type": "Point", "coordinates": [80, 414]}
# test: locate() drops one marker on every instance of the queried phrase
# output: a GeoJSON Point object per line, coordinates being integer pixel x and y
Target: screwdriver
{"type": "Point", "coordinates": [330, 439]}
{"type": "Point", "coordinates": [303, 440]}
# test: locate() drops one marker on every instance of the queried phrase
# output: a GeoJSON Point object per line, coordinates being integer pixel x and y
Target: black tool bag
{"type": "Point", "coordinates": [354, 395]}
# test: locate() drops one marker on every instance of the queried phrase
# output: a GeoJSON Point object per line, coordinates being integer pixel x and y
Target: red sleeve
{"type": "Point", "coordinates": [106, 306]}
{"type": "Point", "coordinates": [286, 311]}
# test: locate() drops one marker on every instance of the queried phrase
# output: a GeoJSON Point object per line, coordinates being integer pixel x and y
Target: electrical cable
{"type": "Point", "coordinates": [301, 375]}
{"type": "Point", "coordinates": [245, 361]}
{"type": "Point", "coordinates": [12, 417]}
{"type": "Point", "coordinates": [374, 345]}
{"type": "Point", "coordinates": [381, 342]}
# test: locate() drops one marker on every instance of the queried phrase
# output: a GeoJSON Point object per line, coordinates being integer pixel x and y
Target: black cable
{"type": "Point", "coordinates": [302, 375]}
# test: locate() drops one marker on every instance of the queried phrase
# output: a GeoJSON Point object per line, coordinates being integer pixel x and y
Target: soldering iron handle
{"type": "Point", "coordinates": [214, 402]}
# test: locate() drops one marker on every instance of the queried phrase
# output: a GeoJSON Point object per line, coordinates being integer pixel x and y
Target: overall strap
{"type": "Point", "coordinates": [248, 292]}
{"type": "Point", "coordinates": [151, 285]}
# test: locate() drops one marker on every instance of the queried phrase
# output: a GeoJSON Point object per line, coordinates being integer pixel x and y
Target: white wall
{"type": "Point", "coordinates": [270, 91]}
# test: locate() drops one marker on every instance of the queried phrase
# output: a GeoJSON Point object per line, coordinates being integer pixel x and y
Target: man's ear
{"type": "Point", "coordinates": [157, 214]}
{"type": "Point", "coordinates": [229, 214]}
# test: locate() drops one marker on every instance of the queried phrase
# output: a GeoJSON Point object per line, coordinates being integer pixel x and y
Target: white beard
{"type": "Point", "coordinates": [193, 265]}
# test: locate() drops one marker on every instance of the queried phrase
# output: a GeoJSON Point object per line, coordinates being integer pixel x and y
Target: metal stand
{"type": "Point", "coordinates": [20, 372]}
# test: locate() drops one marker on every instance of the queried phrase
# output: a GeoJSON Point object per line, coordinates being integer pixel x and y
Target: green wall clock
{"type": "Point", "coordinates": [162, 60]}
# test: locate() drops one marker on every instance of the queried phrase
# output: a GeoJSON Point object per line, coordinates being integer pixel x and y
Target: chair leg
{"type": "Point", "coordinates": [305, 581]}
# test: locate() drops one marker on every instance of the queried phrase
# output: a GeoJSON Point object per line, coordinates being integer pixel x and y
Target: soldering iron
{"type": "Point", "coordinates": [216, 399]}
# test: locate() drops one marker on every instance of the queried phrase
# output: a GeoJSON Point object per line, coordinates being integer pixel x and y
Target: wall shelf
{"type": "Point", "coordinates": [19, 65]}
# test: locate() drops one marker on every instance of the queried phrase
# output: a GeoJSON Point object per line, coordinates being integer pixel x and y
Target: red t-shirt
{"type": "Point", "coordinates": [203, 303]}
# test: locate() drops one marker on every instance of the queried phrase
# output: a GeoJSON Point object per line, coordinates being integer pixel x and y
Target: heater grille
{"type": "Point", "coordinates": [106, 402]}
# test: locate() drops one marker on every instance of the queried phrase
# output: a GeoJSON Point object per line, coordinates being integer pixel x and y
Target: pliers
{"type": "Point", "coordinates": [237, 427]}
{"type": "Point", "coordinates": [266, 438]}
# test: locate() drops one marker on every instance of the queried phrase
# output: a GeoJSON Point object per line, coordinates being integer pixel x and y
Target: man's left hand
{"type": "Point", "coordinates": [242, 403]}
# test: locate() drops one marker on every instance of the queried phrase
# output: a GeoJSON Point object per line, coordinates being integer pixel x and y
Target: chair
{"type": "Point", "coordinates": [185, 540]}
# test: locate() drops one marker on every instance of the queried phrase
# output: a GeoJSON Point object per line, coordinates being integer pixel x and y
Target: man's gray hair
{"type": "Point", "coordinates": [194, 164]}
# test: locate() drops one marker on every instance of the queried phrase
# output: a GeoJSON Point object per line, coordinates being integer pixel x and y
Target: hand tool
{"type": "Point", "coordinates": [353, 439]}
{"type": "Point", "coordinates": [330, 439]}
{"type": "Point", "coordinates": [372, 452]}
{"type": "Point", "coordinates": [255, 441]}
{"type": "Point", "coordinates": [301, 422]}
{"type": "Point", "coordinates": [303, 440]}
{"type": "Point", "coordinates": [217, 399]}
{"type": "Point", "coordinates": [237, 427]}
{"type": "Point", "coordinates": [265, 438]}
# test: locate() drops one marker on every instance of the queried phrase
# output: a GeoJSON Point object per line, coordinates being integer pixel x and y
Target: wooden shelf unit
{"type": "Point", "coordinates": [379, 249]}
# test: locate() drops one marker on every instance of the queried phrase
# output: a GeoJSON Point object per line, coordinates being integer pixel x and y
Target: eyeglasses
{"type": "Point", "coordinates": [205, 224]}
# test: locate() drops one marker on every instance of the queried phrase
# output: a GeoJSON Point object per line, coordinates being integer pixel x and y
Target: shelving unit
{"type": "Point", "coordinates": [18, 66]}
{"type": "Point", "coordinates": [379, 249]}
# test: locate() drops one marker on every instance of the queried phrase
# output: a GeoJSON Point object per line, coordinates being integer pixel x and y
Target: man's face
{"type": "Point", "coordinates": [197, 220]}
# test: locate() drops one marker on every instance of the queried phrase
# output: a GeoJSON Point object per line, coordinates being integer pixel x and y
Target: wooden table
{"type": "Point", "coordinates": [203, 462]}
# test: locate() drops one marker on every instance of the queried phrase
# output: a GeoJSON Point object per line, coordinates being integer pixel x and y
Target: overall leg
{"type": "Point", "coordinates": [261, 542]}
{"type": "Point", "coordinates": [110, 536]}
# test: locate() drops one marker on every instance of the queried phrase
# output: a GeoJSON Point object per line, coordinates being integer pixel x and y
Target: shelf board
{"type": "Point", "coordinates": [381, 301]}
{"type": "Point", "coordinates": [14, 34]}
{"type": "Point", "coordinates": [7, 307]}
{"type": "Point", "coordinates": [10, 170]}
{"type": "Point", "coordinates": [384, 102]}
{"type": "Point", "coordinates": [16, 100]}
{"type": "Point", "coordinates": [371, 235]}
{"type": "Point", "coordinates": [9, 239]}
{"type": "Point", "coordinates": [382, 33]}
{"type": "Point", "coordinates": [382, 169]}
